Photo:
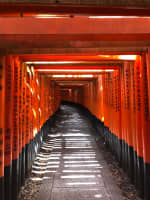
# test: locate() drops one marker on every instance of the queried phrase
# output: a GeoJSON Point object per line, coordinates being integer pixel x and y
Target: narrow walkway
{"type": "Point", "coordinates": [70, 165]}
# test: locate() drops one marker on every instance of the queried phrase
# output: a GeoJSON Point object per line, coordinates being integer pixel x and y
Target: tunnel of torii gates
{"type": "Point", "coordinates": [101, 63]}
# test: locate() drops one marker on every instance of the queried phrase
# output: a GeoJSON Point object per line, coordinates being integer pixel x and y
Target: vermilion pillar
{"type": "Point", "coordinates": [145, 124]}
{"type": "Point", "coordinates": [38, 103]}
{"type": "Point", "coordinates": [127, 120]}
{"type": "Point", "coordinates": [139, 138]}
{"type": "Point", "coordinates": [133, 120]}
{"type": "Point", "coordinates": [123, 120]}
{"type": "Point", "coordinates": [1, 131]}
{"type": "Point", "coordinates": [34, 113]}
{"type": "Point", "coordinates": [20, 93]}
{"type": "Point", "coordinates": [32, 116]}
{"type": "Point", "coordinates": [42, 100]}
{"type": "Point", "coordinates": [8, 125]}
{"type": "Point", "coordinates": [15, 144]}
{"type": "Point", "coordinates": [23, 122]}
{"type": "Point", "coordinates": [28, 118]}
{"type": "Point", "coordinates": [117, 111]}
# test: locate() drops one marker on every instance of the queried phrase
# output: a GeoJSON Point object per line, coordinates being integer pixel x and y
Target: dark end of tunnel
{"type": "Point", "coordinates": [98, 125]}
{"type": "Point", "coordinates": [2, 188]}
{"type": "Point", "coordinates": [70, 103]}
{"type": "Point", "coordinates": [8, 182]}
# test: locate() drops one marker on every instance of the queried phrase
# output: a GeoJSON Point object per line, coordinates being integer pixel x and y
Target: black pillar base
{"type": "Point", "coordinates": [123, 155]}
{"type": "Point", "coordinates": [8, 182]}
{"type": "Point", "coordinates": [140, 176]}
{"type": "Point", "coordinates": [15, 178]}
{"type": "Point", "coordinates": [2, 188]}
{"type": "Point", "coordinates": [146, 181]}
{"type": "Point", "coordinates": [27, 159]}
{"type": "Point", "coordinates": [20, 166]}
{"type": "Point", "coordinates": [131, 163]}
{"type": "Point", "coordinates": [119, 145]}
{"type": "Point", "coordinates": [135, 169]}
{"type": "Point", "coordinates": [23, 166]}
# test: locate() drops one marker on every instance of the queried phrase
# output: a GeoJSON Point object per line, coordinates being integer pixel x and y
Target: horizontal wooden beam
{"type": "Point", "coordinates": [67, 51]}
{"type": "Point", "coordinates": [78, 28]}
{"type": "Point", "coordinates": [33, 8]}
{"type": "Point", "coordinates": [32, 43]}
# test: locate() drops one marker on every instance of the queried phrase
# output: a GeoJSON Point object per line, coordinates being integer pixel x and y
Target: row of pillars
{"type": "Point", "coordinates": [126, 103]}
{"type": "Point", "coordinates": [27, 100]}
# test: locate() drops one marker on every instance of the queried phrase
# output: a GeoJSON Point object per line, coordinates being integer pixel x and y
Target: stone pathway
{"type": "Point", "coordinates": [70, 165]}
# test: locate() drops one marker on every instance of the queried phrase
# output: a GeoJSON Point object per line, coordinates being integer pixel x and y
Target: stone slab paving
{"type": "Point", "coordinates": [72, 165]}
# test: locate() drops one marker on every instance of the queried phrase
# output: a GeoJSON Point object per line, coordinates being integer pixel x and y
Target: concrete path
{"type": "Point", "coordinates": [71, 164]}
